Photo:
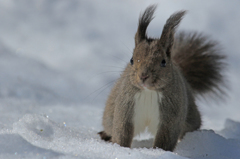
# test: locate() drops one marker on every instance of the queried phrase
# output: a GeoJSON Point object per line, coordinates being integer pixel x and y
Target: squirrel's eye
{"type": "Point", "coordinates": [131, 61]}
{"type": "Point", "coordinates": [163, 63]}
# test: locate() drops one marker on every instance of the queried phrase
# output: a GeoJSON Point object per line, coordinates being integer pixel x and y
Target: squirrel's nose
{"type": "Point", "coordinates": [144, 77]}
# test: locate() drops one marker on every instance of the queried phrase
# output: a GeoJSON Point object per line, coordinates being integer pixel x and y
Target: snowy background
{"type": "Point", "coordinates": [59, 59]}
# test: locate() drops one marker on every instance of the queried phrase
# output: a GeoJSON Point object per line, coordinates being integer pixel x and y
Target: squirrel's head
{"type": "Point", "coordinates": [151, 61]}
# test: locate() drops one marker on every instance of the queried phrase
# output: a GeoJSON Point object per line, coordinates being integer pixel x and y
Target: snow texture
{"type": "Point", "coordinates": [59, 59]}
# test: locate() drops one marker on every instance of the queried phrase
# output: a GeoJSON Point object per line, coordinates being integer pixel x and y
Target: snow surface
{"type": "Point", "coordinates": [59, 59]}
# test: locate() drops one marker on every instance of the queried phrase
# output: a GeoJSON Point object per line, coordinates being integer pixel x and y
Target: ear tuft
{"type": "Point", "coordinates": [167, 37]}
{"type": "Point", "coordinates": [144, 21]}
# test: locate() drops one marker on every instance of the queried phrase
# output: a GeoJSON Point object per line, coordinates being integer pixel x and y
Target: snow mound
{"type": "Point", "coordinates": [14, 146]}
{"type": "Point", "coordinates": [40, 131]}
{"type": "Point", "coordinates": [44, 133]}
{"type": "Point", "coordinates": [207, 144]}
{"type": "Point", "coordinates": [231, 130]}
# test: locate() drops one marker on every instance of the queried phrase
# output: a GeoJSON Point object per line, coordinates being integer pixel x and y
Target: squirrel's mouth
{"type": "Point", "coordinates": [146, 85]}
{"type": "Point", "coordinates": [146, 88]}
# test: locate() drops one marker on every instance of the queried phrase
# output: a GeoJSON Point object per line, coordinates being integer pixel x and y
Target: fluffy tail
{"type": "Point", "coordinates": [200, 61]}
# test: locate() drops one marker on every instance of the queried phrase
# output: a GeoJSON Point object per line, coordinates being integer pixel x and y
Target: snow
{"type": "Point", "coordinates": [59, 59]}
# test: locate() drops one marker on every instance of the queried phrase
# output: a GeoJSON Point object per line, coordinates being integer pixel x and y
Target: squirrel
{"type": "Point", "coordinates": [158, 87]}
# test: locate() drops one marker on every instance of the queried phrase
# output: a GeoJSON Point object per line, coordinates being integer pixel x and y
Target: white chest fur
{"type": "Point", "coordinates": [146, 111]}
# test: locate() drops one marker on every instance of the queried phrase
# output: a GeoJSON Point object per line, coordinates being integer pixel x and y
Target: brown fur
{"type": "Point", "coordinates": [201, 62]}
{"type": "Point", "coordinates": [165, 66]}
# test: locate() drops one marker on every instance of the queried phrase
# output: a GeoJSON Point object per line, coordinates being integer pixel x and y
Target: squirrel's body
{"type": "Point", "coordinates": [157, 88]}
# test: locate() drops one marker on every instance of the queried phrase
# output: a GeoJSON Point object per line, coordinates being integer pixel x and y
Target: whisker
{"type": "Point", "coordinates": [109, 72]}
{"type": "Point", "coordinates": [121, 59]}
{"type": "Point", "coordinates": [103, 87]}
{"type": "Point", "coordinates": [114, 66]}
{"type": "Point", "coordinates": [127, 76]}
{"type": "Point", "coordinates": [105, 73]}
{"type": "Point", "coordinates": [102, 91]}
{"type": "Point", "coordinates": [127, 47]}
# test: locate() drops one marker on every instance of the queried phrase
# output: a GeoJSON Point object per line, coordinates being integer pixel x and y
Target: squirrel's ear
{"type": "Point", "coordinates": [143, 23]}
{"type": "Point", "coordinates": [167, 37]}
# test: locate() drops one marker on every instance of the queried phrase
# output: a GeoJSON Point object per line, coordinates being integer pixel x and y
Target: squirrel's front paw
{"type": "Point", "coordinates": [104, 136]}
